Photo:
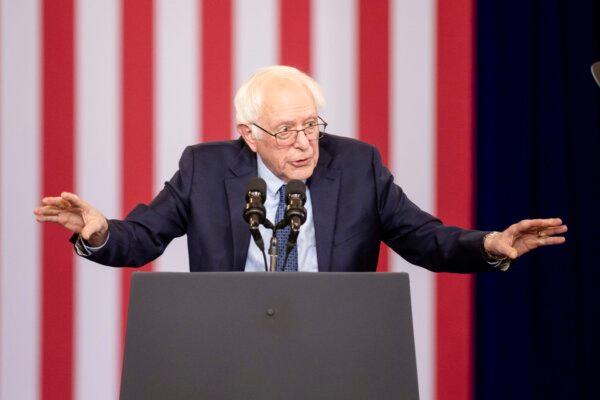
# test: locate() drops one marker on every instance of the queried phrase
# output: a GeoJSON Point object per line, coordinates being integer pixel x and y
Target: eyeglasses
{"type": "Point", "coordinates": [314, 130]}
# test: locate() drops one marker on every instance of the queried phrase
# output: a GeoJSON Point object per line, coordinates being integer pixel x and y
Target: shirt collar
{"type": "Point", "coordinates": [273, 182]}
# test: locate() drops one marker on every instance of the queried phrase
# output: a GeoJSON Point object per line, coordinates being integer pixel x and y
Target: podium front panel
{"type": "Point", "coordinates": [246, 335]}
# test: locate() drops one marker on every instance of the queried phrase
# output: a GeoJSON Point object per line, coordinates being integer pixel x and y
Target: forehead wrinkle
{"type": "Point", "coordinates": [291, 115]}
{"type": "Point", "coordinates": [304, 119]}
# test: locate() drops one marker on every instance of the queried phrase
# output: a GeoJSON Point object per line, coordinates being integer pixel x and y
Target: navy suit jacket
{"type": "Point", "coordinates": [355, 201]}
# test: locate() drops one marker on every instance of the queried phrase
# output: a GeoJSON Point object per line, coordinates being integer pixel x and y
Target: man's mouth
{"type": "Point", "coordinates": [301, 163]}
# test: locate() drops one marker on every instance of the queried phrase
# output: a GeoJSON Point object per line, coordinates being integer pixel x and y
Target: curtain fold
{"type": "Point", "coordinates": [538, 155]}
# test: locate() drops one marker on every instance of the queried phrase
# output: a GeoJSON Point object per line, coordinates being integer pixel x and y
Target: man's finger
{"type": "Point", "coordinates": [553, 231]}
{"type": "Point", "coordinates": [47, 210]}
{"type": "Point", "coordinates": [75, 200]}
{"type": "Point", "coordinates": [52, 210]}
{"type": "Point", "coordinates": [46, 218]}
{"type": "Point", "coordinates": [528, 224]}
{"type": "Point", "coordinates": [56, 202]}
{"type": "Point", "coordinates": [549, 241]}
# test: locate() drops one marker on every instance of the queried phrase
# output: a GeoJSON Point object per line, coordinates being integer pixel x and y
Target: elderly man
{"type": "Point", "coordinates": [352, 202]}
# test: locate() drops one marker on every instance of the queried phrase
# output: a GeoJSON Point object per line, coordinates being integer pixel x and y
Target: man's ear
{"type": "Point", "coordinates": [246, 132]}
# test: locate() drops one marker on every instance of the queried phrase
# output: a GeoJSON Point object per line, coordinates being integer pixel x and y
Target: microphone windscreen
{"type": "Point", "coordinates": [596, 72]}
{"type": "Point", "coordinates": [296, 187]}
{"type": "Point", "coordinates": [257, 185]}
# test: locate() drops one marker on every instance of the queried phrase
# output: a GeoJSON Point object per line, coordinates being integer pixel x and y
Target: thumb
{"type": "Point", "coordinates": [74, 200]}
{"type": "Point", "coordinates": [89, 229]}
{"type": "Point", "coordinates": [507, 250]}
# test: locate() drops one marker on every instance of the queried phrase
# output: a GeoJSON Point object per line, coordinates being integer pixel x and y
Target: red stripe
{"type": "Point", "coordinates": [137, 120]}
{"type": "Point", "coordinates": [57, 176]}
{"type": "Point", "coordinates": [455, 204]}
{"type": "Point", "coordinates": [373, 83]}
{"type": "Point", "coordinates": [216, 70]}
{"type": "Point", "coordinates": [294, 32]}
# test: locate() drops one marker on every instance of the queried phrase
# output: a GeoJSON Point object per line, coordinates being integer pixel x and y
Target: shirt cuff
{"type": "Point", "coordinates": [502, 265]}
{"type": "Point", "coordinates": [82, 249]}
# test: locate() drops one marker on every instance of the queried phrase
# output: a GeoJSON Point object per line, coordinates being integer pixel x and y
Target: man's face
{"type": "Point", "coordinates": [286, 104]}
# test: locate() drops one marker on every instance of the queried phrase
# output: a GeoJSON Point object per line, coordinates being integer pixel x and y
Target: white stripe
{"type": "Point", "coordinates": [412, 150]}
{"type": "Point", "coordinates": [334, 28]}
{"type": "Point", "coordinates": [98, 172]}
{"type": "Point", "coordinates": [19, 194]}
{"type": "Point", "coordinates": [176, 103]}
{"type": "Point", "coordinates": [256, 38]}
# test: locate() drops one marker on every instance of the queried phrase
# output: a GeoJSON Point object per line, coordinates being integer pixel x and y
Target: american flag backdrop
{"type": "Point", "coordinates": [101, 97]}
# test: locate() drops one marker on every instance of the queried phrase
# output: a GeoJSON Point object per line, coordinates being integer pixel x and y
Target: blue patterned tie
{"type": "Point", "coordinates": [282, 238]}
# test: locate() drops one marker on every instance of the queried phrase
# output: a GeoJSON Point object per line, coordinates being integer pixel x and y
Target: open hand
{"type": "Point", "coordinates": [76, 215]}
{"type": "Point", "coordinates": [525, 236]}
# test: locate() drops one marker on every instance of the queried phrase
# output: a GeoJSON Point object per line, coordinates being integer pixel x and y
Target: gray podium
{"type": "Point", "coordinates": [237, 335]}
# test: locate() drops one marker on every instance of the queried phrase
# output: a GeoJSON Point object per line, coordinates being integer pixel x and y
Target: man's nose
{"type": "Point", "coordinates": [302, 141]}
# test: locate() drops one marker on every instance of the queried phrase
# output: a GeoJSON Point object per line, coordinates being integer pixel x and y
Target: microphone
{"type": "Point", "coordinates": [295, 197]}
{"type": "Point", "coordinates": [596, 72]}
{"type": "Point", "coordinates": [255, 213]}
{"type": "Point", "coordinates": [295, 213]}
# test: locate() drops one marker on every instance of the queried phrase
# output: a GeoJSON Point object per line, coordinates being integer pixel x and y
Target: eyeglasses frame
{"type": "Point", "coordinates": [321, 133]}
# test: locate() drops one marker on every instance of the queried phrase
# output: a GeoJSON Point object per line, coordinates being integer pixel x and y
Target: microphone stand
{"type": "Point", "coordinates": [273, 250]}
{"type": "Point", "coordinates": [273, 253]}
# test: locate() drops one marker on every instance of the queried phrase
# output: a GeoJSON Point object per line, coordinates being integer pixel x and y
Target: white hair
{"type": "Point", "coordinates": [249, 97]}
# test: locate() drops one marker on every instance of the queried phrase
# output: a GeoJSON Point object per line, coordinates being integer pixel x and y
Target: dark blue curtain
{"type": "Point", "coordinates": [538, 155]}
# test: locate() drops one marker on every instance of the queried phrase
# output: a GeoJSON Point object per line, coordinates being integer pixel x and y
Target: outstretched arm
{"type": "Point", "coordinates": [423, 240]}
{"type": "Point", "coordinates": [76, 215]}
{"type": "Point", "coordinates": [138, 239]}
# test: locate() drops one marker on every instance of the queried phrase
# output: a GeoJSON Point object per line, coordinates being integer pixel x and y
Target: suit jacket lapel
{"type": "Point", "coordinates": [324, 189]}
{"type": "Point", "coordinates": [235, 186]}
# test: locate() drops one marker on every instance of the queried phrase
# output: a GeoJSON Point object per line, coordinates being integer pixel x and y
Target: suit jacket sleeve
{"type": "Point", "coordinates": [418, 236]}
{"type": "Point", "coordinates": [148, 229]}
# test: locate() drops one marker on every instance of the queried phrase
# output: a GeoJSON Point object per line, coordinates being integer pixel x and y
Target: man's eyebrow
{"type": "Point", "coordinates": [280, 123]}
{"type": "Point", "coordinates": [291, 123]}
